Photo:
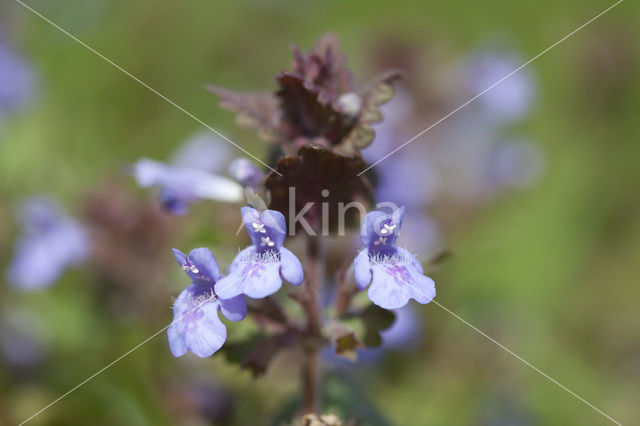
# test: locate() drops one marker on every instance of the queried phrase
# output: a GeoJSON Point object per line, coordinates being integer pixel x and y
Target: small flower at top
{"type": "Point", "coordinates": [196, 326]}
{"type": "Point", "coordinates": [246, 173]}
{"type": "Point", "coordinates": [395, 274]}
{"type": "Point", "coordinates": [51, 242]}
{"type": "Point", "coordinates": [189, 177]}
{"type": "Point", "coordinates": [258, 270]}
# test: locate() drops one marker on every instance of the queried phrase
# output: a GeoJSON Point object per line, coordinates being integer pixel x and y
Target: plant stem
{"type": "Point", "coordinates": [314, 277]}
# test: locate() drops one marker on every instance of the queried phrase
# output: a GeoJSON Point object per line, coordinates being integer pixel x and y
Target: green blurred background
{"type": "Point", "coordinates": [552, 272]}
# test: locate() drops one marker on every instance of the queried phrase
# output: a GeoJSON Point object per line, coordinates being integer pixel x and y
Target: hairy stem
{"type": "Point", "coordinates": [314, 276]}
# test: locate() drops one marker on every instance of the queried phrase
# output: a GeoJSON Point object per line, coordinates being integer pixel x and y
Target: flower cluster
{"type": "Point", "coordinates": [256, 272]}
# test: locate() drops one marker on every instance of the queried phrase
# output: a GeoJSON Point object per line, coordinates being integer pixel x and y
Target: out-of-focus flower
{"type": "Point", "coordinates": [196, 326]}
{"type": "Point", "coordinates": [258, 270]}
{"type": "Point", "coordinates": [199, 401]}
{"type": "Point", "coordinates": [130, 238]}
{"type": "Point", "coordinates": [395, 274]}
{"type": "Point", "coordinates": [516, 164]}
{"type": "Point", "coordinates": [189, 177]}
{"type": "Point", "coordinates": [246, 173]}
{"type": "Point", "coordinates": [22, 341]}
{"type": "Point", "coordinates": [52, 241]}
{"type": "Point", "coordinates": [405, 331]}
{"type": "Point", "coordinates": [17, 80]}
{"type": "Point", "coordinates": [513, 97]}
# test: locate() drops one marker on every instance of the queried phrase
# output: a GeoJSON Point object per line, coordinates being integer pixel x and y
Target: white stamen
{"type": "Point", "coordinates": [194, 269]}
{"type": "Point", "coordinates": [380, 240]}
{"type": "Point", "coordinates": [266, 241]}
{"type": "Point", "coordinates": [259, 227]}
{"type": "Point", "coordinates": [388, 229]}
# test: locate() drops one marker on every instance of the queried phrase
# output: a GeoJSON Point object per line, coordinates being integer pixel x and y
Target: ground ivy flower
{"type": "Point", "coordinates": [395, 274]}
{"type": "Point", "coordinates": [196, 326]}
{"type": "Point", "coordinates": [51, 242]}
{"type": "Point", "coordinates": [189, 177]}
{"type": "Point", "coordinates": [258, 270]}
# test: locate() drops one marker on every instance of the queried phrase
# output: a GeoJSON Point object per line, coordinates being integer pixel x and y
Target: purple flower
{"type": "Point", "coordinates": [51, 242]}
{"type": "Point", "coordinates": [246, 173]}
{"type": "Point", "coordinates": [258, 270]}
{"type": "Point", "coordinates": [196, 326]}
{"type": "Point", "coordinates": [189, 177]}
{"type": "Point", "coordinates": [16, 80]}
{"type": "Point", "coordinates": [509, 100]}
{"type": "Point", "coordinates": [395, 274]}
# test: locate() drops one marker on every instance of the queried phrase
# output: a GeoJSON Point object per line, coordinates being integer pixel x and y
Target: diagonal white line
{"type": "Point", "coordinates": [146, 85]}
{"type": "Point", "coordinates": [500, 345]}
{"type": "Point", "coordinates": [88, 379]}
{"type": "Point", "coordinates": [492, 86]}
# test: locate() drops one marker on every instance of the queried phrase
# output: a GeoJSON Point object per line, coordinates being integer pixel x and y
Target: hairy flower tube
{"type": "Point", "coordinates": [395, 274]}
{"type": "Point", "coordinates": [196, 326]}
{"type": "Point", "coordinates": [258, 270]}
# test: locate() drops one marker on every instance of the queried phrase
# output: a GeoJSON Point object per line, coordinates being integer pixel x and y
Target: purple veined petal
{"type": "Point", "coordinates": [203, 150]}
{"type": "Point", "coordinates": [390, 285]}
{"type": "Point", "coordinates": [422, 288]}
{"type": "Point", "coordinates": [245, 253]}
{"type": "Point", "coordinates": [234, 309]}
{"type": "Point", "coordinates": [196, 326]}
{"type": "Point", "coordinates": [290, 267]}
{"type": "Point", "coordinates": [395, 281]}
{"type": "Point", "coordinates": [246, 172]}
{"type": "Point", "coordinates": [256, 276]}
{"type": "Point", "coordinates": [362, 269]}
